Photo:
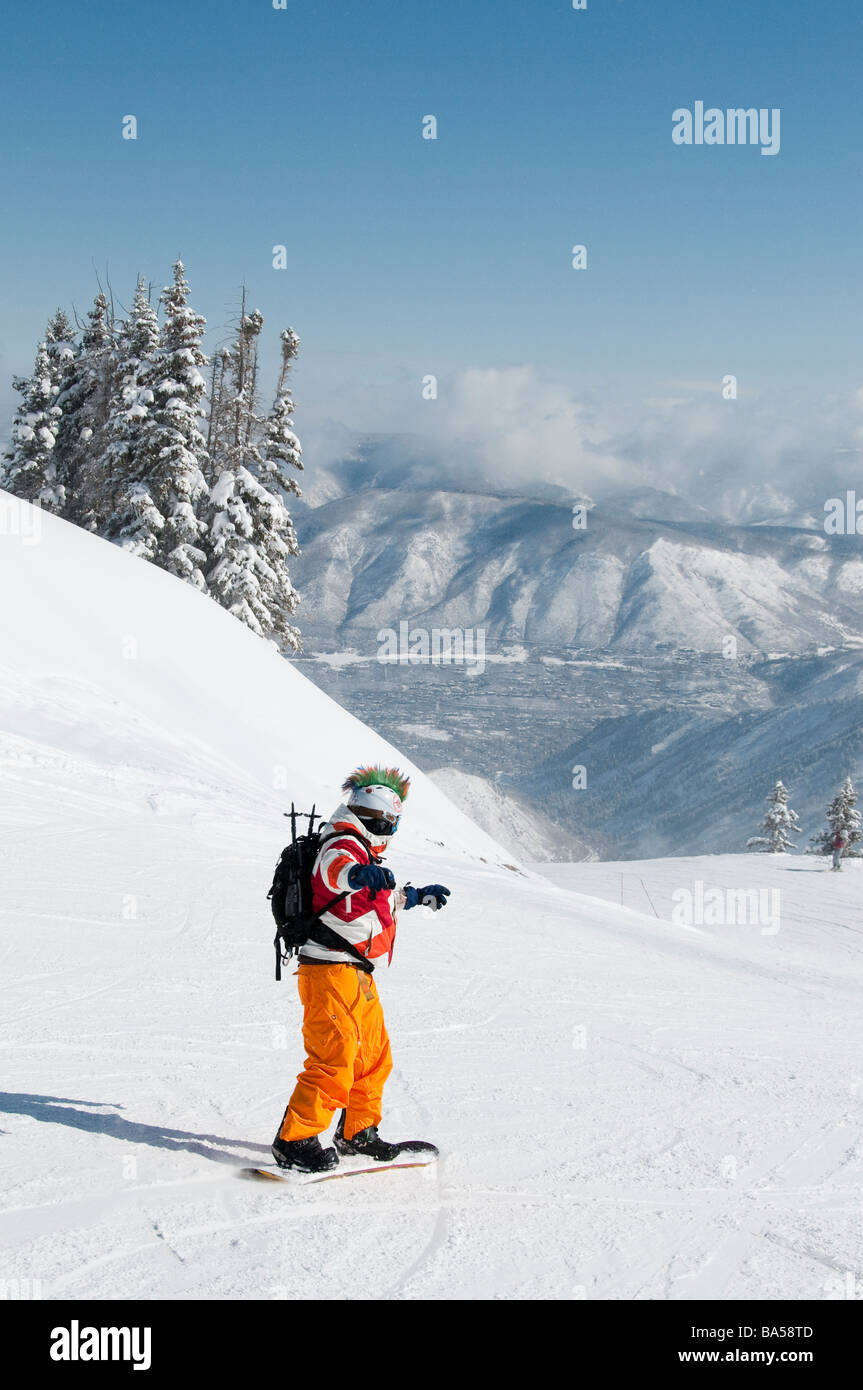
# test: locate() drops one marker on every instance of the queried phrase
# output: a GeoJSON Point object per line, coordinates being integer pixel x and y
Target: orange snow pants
{"type": "Point", "coordinates": [349, 1056]}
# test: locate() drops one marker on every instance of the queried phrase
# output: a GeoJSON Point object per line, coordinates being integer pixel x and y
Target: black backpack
{"type": "Point", "coordinates": [290, 895]}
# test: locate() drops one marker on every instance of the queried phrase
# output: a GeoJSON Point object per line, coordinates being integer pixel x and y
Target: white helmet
{"type": "Point", "coordinates": [378, 802]}
{"type": "Point", "coordinates": [375, 795]}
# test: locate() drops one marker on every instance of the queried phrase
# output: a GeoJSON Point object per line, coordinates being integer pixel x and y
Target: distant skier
{"type": "Point", "coordinates": [346, 1041]}
{"type": "Point", "coordinates": [840, 840]}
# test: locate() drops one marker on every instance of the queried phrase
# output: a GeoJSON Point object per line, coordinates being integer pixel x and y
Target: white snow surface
{"type": "Point", "coordinates": [626, 1108]}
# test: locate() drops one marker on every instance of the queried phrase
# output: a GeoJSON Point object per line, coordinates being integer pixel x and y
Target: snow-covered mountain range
{"type": "Point", "coordinates": [672, 656]}
{"type": "Point", "coordinates": [521, 570]}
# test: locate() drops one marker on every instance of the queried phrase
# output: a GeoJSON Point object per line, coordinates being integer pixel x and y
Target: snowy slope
{"type": "Point", "coordinates": [626, 1107]}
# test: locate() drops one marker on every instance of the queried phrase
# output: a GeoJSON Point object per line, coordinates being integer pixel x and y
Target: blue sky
{"type": "Point", "coordinates": [302, 126]}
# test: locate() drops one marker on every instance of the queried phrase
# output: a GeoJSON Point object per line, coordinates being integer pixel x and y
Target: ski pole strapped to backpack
{"type": "Point", "coordinates": [290, 897]}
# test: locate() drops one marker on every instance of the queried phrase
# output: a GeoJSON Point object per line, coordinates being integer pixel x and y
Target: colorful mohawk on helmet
{"type": "Point", "coordinates": [378, 777]}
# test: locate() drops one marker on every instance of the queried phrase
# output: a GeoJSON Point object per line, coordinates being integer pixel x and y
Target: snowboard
{"type": "Point", "coordinates": [272, 1173]}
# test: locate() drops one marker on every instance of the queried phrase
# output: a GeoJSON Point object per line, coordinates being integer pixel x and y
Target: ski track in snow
{"type": "Point", "coordinates": [589, 1167]}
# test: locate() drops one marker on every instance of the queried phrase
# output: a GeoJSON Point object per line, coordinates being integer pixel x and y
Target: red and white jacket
{"type": "Point", "coordinates": [368, 923]}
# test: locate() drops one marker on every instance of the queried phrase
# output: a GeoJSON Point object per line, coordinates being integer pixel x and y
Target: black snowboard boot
{"type": "Point", "coordinates": [305, 1155]}
{"type": "Point", "coordinates": [368, 1144]}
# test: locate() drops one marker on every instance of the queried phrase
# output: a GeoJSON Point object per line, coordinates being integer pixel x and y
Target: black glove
{"type": "Point", "coordinates": [434, 895]}
{"type": "Point", "coordinates": [371, 876]}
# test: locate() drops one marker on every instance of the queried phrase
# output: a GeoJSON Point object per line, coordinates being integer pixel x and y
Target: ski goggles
{"type": "Point", "coordinates": [383, 823]}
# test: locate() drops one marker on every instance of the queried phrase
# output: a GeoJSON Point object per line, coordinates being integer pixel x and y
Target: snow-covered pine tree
{"type": "Point", "coordinates": [133, 520]}
{"type": "Point", "coordinates": [250, 333]}
{"type": "Point", "coordinates": [172, 454]}
{"type": "Point", "coordinates": [282, 453]}
{"type": "Point", "coordinates": [242, 399]}
{"type": "Point", "coordinates": [84, 399]}
{"type": "Point", "coordinates": [250, 577]}
{"type": "Point", "coordinates": [60, 335]}
{"type": "Point", "coordinates": [219, 425]}
{"type": "Point", "coordinates": [251, 532]}
{"type": "Point", "coordinates": [282, 449]}
{"type": "Point", "coordinates": [29, 467]}
{"type": "Point", "coordinates": [60, 341]}
{"type": "Point", "coordinates": [841, 815]}
{"type": "Point", "coordinates": [128, 458]}
{"type": "Point", "coordinates": [233, 417]}
{"type": "Point", "coordinates": [779, 820]}
{"type": "Point", "coordinates": [234, 424]}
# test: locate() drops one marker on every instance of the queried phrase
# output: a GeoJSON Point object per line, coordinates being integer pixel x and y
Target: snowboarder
{"type": "Point", "coordinates": [346, 1041]}
{"type": "Point", "coordinates": [840, 840]}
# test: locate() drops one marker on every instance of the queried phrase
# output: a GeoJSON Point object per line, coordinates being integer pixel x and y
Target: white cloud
{"type": "Point", "coordinates": [512, 428]}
